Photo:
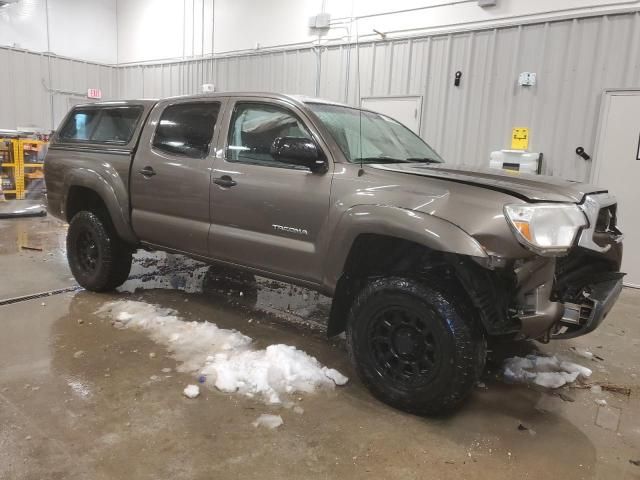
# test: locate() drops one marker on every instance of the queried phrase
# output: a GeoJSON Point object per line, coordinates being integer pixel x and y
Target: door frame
{"type": "Point", "coordinates": [222, 165]}
{"type": "Point", "coordinates": [603, 113]}
{"type": "Point", "coordinates": [147, 149]}
{"type": "Point", "coordinates": [233, 100]}
{"type": "Point", "coordinates": [391, 97]}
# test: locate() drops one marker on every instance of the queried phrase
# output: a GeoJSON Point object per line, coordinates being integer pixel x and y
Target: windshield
{"type": "Point", "coordinates": [383, 139]}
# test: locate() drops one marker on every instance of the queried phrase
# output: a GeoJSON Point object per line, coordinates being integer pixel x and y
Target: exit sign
{"type": "Point", "coordinates": [94, 93]}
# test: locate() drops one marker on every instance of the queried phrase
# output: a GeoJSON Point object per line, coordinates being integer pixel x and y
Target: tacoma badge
{"type": "Point", "coordinates": [299, 231]}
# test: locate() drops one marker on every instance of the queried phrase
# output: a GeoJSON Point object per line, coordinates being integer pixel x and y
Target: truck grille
{"type": "Point", "coordinates": [576, 272]}
{"type": "Point", "coordinates": [600, 209]}
{"type": "Point", "coordinates": [606, 221]}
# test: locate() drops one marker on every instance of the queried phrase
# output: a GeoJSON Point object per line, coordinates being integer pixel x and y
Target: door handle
{"type": "Point", "coordinates": [147, 171]}
{"type": "Point", "coordinates": [225, 181]}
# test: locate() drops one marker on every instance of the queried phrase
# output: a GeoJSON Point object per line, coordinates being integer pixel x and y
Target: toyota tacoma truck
{"type": "Point", "coordinates": [424, 260]}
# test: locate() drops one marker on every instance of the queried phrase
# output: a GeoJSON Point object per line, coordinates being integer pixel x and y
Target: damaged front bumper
{"type": "Point", "coordinates": [569, 296]}
{"type": "Point", "coordinates": [580, 319]}
{"type": "Point", "coordinates": [553, 311]}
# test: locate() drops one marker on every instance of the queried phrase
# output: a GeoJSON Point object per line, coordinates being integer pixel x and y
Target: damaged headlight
{"type": "Point", "coordinates": [546, 228]}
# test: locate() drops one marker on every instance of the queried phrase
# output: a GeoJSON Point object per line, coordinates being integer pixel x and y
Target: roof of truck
{"type": "Point", "coordinates": [117, 103]}
{"type": "Point", "coordinates": [150, 101]}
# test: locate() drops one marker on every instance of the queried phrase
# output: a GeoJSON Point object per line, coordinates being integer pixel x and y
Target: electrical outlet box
{"type": "Point", "coordinates": [320, 21]}
{"type": "Point", "coordinates": [527, 79]}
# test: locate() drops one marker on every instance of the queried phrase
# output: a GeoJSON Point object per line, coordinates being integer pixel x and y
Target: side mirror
{"type": "Point", "coordinates": [298, 151]}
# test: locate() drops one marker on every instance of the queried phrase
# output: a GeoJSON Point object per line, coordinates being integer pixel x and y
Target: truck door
{"type": "Point", "coordinates": [171, 175]}
{"type": "Point", "coordinates": [266, 214]}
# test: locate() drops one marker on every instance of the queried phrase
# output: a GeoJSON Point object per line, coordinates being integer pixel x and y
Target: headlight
{"type": "Point", "coordinates": [546, 228]}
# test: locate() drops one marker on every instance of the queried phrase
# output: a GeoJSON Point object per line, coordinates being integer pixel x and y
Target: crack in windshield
{"type": "Point", "coordinates": [369, 137]}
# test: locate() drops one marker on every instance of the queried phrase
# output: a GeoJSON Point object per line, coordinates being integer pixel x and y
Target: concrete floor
{"type": "Point", "coordinates": [22, 208]}
{"type": "Point", "coordinates": [100, 416]}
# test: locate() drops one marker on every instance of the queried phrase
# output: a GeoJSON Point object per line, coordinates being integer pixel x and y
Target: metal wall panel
{"type": "Point", "coordinates": [26, 98]}
{"type": "Point", "coordinates": [287, 71]}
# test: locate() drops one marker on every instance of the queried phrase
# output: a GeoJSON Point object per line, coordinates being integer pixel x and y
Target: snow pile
{"type": "Point", "coordinates": [268, 421]}
{"type": "Point", "coordinates": [547, 372]}
{"type": "Point", "coordinates": [269, 372]}
{"type": "Point", "coordinates": [224, 358]}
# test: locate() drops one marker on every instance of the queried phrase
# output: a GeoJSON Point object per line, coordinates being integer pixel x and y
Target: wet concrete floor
{"type": "Point", "coordinates": [101, 415]}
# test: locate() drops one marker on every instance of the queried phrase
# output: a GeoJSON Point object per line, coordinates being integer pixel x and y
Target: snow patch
{"type": "Point", "coordinates": [548, 372]}
{"type": "Point", "coordinates": [191, 391]}
{"type": "Point", "coordinates": [268, 421]}
{"type": "Point", "coordinates": [584, 353]}
{"type": "Point", "coordinates": [225, 358]}
{"type": "Point", "coordinates": [79, 388]}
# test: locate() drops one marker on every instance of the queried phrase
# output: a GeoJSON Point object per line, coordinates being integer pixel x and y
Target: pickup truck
{"type": "Point", "coordinates": [424, 260]}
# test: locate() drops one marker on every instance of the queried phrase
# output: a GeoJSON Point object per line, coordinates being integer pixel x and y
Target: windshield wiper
{"type": "Point", "coordinates": [423, 160]}
{"type": "Point", "coordinates": [383, 160]}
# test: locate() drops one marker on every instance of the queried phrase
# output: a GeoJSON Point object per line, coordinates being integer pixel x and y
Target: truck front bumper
{"type": "Point", "coordinates": [569, 296]}
{"type": "Point", "coordinates": [569, 300]}
{"type": "Point", "coordinates": [580, 319]}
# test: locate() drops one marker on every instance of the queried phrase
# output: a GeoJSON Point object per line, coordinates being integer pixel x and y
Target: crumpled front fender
{"type": "Point", "coordinates": [428, 230]}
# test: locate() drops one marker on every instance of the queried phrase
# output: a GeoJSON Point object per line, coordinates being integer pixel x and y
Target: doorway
{"type": "Point", "coordinates": [405, 109]}
{"type": "Point", "coordinates": [617, 168]}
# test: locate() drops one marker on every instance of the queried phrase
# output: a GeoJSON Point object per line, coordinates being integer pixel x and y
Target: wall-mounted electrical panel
{"type": "Point", "coordinates": [527, 79]}
{"type": "Point", "coordinates": [320, 21]}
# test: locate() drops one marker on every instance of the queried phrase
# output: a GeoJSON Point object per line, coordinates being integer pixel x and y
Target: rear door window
{"type": "Point", "coordinates": [102, 125]}
{"type": "Point", "coordinates": [186, 129]}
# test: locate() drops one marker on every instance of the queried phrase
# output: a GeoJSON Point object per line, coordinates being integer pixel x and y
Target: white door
{"type": "Point", "coordinates": [617, 168]}
{"type": "Point", "coordinates": [406, 110]}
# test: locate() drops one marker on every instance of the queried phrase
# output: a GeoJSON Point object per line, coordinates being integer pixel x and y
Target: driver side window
{"type": "Point", "coordinates": [253, 129]}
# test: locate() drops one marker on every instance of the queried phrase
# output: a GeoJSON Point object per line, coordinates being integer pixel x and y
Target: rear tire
{"type": "Point", "coordinates": [98, 259]}
{"type": "Point", "coordinates": [415, 347]}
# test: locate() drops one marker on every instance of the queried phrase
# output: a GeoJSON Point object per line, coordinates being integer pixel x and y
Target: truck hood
{"type": "Point", "coordinates": [532, 188]}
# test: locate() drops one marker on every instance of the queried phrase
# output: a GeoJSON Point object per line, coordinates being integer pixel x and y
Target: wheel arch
{"type": "Point", "coordinates": [431, 232]}
{"type": "Point", "coordinates": [419, 248]}
{"type": "Point", "coordinates": [87, 188]}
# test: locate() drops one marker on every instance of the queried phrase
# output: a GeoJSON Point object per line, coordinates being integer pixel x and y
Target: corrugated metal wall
{"type": "Point", "coordinates": [574, 60]}
{"type": "Point", "coordinates": [25, 93]}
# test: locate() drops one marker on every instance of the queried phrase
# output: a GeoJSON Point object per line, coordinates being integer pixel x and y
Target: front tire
{"type": "Point", "coordinates": [98, 259]}
{"type": "Point", "coordinates": [416, 348]}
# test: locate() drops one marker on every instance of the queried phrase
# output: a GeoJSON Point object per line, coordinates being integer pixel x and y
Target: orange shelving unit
{"type": "Point", "coordinates": [21, 162]}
